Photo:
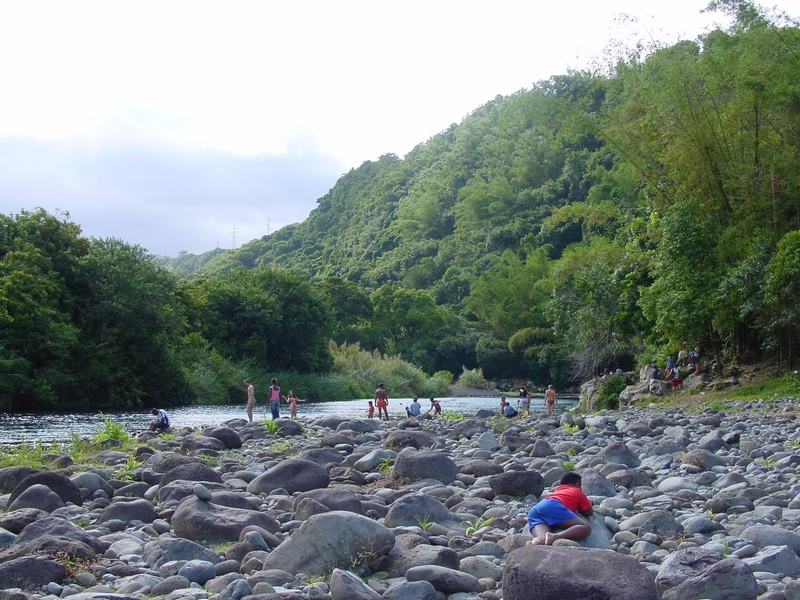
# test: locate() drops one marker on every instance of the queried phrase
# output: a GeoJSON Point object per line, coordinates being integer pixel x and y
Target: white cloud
{"type": "Point", "coordinates": [194, 85]}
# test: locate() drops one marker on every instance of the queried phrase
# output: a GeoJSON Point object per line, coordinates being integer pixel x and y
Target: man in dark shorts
{"type": "Point", "coordinates": [382, 401]}
{"type": "Point", "coordinates": [162, 420]}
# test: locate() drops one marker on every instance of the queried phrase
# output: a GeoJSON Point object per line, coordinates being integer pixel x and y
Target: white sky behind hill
{"type": "Point", "coordinates": [169, 123]}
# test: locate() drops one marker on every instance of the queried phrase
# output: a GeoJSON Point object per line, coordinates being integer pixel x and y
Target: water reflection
{"type": "Point", "coordinates": [51, 427]}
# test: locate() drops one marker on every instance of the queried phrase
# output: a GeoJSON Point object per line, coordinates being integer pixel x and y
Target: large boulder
{"type": "Point", "coordinates": [10, 477]}
{"type": "Point", "coordinates": [66, 490]}
{"type": "Point", "coordinates": [15, 521]}
{"type": "Point", "coordinates": [397, 562]}
{"type": "Point", "coordinates": [191, 472]}
{"type": "Point", "coordinates": [164, 461]}
{"type": "Point", "coordinates": [769, 535]}
{"type": "Point", "coordinates": [176, 491]}
{"type": "Point", "coordinates": [619, 453]}
{"type": "Point", "coordinates": [56, 526]}
{"type": "Point", "coordinates": [293, 475]}
{"type": "Point", "coordinates": [93, 482]}
{"type": "Point", "coordinates": [557, 573]}
{"type": "Point", "coordinates": [415, 509]}
{"type": "Point", "coordinates": [200, 442]}
{"type": "Point", "coordinates": [321, 456]}
{"type": "Point", "coordinates": [517, 483]}
{"type": "Point", "coordinates": [410, 438]}
{"type": "Point", "coordinates": [331, 540]}
{"type": "Point", "coordinates": [31, 570]}
{"type": "Point", "coordinates": [167, 549]}
{"type": "Point", "coordinates": [199, 520]}
{"type": "Point", "coordinates": [129, 511]}
{"type": "Point", "coordinates": [37, 496]}
{"type": "Point", "coordinates": [333, 499]}
{"type": "Point", "coordinates": [594, 483]}
{"type": "Point", "coordinates": [413, 465]}
{"type": "Point", "coordinates": [226, 435]}
{"type": "Point", "coordinates": [728, 579]}
{"type": "Point", "coordinates": [683, 564]}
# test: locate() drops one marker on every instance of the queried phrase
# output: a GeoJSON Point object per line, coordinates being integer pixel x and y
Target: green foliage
{"type": "Point", "coordinates": [567, 465]}
{"type": "Point", "coordinates": [472, 378]}
{"type": "Point", "coordinates": [607, 396]}
{"type": "Point", "coordinates": [385, 466]}
{"type": "Point", "coordinates": [272, 426]}
{"type": "Point", "coordinates": [111, 430]}
{"type": "Point", "coordinates": [474, 526]}
{"type": "Point", "coordinates": [445, 376]}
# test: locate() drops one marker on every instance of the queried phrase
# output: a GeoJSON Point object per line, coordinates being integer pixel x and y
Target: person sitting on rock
{"type": "Point", "coordinates": [162, 420]}
{"type": "Point", "coordinates": [559, 511]}
{"type": "Point", "coordinates": [506, 408]}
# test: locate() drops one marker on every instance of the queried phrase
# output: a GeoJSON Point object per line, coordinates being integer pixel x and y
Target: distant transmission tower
{"type": "Point", "coordinates": [268, 222]}
{"type": "Point", "coordinates": [234, 237]}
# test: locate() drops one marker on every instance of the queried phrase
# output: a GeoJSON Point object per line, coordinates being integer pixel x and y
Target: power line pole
{"type": "Point", "coordinates": [268, 222]}
{"type": "Point", "coordinates": [234, 237]}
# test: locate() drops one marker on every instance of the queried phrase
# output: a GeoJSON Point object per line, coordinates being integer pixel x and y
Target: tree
{"type": "Point", "coordinates": [268, 315]}
{"type": "Point", "coordinates": [348, 305]}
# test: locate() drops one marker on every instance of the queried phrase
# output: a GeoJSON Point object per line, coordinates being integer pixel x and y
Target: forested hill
{"type": "Point", "coordinates": [589, 220]}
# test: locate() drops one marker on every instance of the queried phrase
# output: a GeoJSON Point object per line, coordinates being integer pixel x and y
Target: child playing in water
{"type": "Point", "coordinates": [558, 511]}
{"type": "Point", "coordinates": [371, 410]}
{"type": "Point", "coordinates": [293, 400]}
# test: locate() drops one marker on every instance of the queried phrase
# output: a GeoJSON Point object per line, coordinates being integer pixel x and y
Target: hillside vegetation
{"type": "Point", "coordinates": [596, 220]}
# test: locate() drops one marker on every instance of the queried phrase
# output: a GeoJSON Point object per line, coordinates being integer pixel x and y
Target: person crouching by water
{"type": "Point", "coordinates": [275, 399]}
{"type": "Point", "coordinates": [506, 408]}
{"type": "Point", "coordinates": [558, 511]}
{"type": "Point", "coordinates": [162, 420]}
{"type": "Point", "coordinates": [436, 407]}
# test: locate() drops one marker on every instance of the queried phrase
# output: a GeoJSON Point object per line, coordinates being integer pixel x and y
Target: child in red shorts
{"type": "Point", "coordinates": [558, 511]}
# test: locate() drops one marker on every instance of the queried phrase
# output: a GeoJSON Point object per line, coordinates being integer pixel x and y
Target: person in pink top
{"type": "Point", "coordinates": [560, 511]}
{"type": "Point", "coordinates": [293, 400]}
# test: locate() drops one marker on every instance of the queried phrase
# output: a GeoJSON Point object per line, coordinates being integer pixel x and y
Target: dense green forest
{"type": "Point", "coordinates": [598, 219]}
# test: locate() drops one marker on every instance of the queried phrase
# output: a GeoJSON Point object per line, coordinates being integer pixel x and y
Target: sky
{"type": "Point", "coordinates": [187, 125]}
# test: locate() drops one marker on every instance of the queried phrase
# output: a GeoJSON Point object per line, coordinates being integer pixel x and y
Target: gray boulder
{"type": "Point", "coordinates": [66, 490]}
{"type": "Point", "coordinates": [372, 460]}
{"type": "Point", "coordinates": [55, 526]}
{"type": "Point", "coordinates": [92, 482]}
{"type": "Point", "coordinates": [684, 564]}
{"type": "Point", "coordinates": [729, 579]}
{"type": "Point", "coordinates": [594, 483]}
{"type": "Point", "coordinates": [414, 509]}
{"type": "Point", "coordinates": [704, 459]}
{"type": "Point", "coordinates": [769, 535]}
{"type": "Point", "coordinates": [226, 435]}
{"type": "Point", "coordinates": [293, 474]}
{"type": "Point", "coordinates": [198, 571]}
{"type": "Point", "coordinates": [557, 573]}
{"type": "Point", "coordinates": [449, 581]}
{"type": "Point", "coordinates": [412, 465]}
{"type": "Point", "coordinates": [37, 496]}
{"type": "Point", "coordinates": [347, 586]}
{"type": "Point", "coordinates": [330, 421]}
{"type": "Point", "coordinates": [517, 483]}
{"type": "Point", "coordinates": [469, 428]}
{"type": "Point", "coordinates": [333, 499]}
{"type": "Point", "coordinates": [175, 491]}
{"type": "Point", "coordinates": [200, 442]}
{"type": "Point", "coordinates": [31, 570]}
{"type": "Point", "coordinates": [335, 539]}
{"type": "Point", "coordinates": [775, 559]}
{"type": "Point", "coordinates": [10, 477]}
{"type": "Point", "coordinates": [410, 590]}
{"type": "Point", "coordinates": [321, 456]}
{"type": "Point", "coordinates": [128, 511]}
{"type": "Point", "coordinates": [619, 453]}
{"type": "Point", "coordinates": [191, 472]}
{"type": "Point", "coordinates": [164, 550]}
{"type": "Point", "coordinates": [15, 521]}
{"type": "Point", "coordinates": [398, 562]}
{"type": "Point", "coordinates": [410, 438]}
{"type": "Point", "coordinates": [198, 520]}
{"type": "Point", "coordinates": [165, 461]}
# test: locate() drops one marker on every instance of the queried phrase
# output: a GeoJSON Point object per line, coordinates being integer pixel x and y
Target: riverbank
{"type": "Point", "coordinates": [687, 506]}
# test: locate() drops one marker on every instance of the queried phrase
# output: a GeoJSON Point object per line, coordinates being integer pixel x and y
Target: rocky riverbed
{"type": "Point", "coordinates": [687, 506]}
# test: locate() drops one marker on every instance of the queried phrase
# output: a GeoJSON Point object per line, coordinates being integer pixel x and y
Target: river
{"type": "Point", "coordinates": [54, 427]}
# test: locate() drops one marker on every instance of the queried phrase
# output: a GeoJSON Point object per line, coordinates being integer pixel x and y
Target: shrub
{"type": "Point", "coordinates": [608, 392]}
{"type": "Point", "coordinates": [472, 378]}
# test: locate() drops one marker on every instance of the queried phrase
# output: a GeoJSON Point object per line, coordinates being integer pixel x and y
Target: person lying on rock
{"type": "Point", "coordinates": [558, 511]}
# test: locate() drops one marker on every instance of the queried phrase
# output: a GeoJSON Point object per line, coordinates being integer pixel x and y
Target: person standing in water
{"type": "Point", "coordinates": [293, 400]}
{"type": "Point", "coordinates": [275, 399]}
{"type": "Point", "coordinates": [550, 399]}
{"type": "Point", "coordinates": [251, 399]}
{"type": "Point", "coordinates": [382, 401]}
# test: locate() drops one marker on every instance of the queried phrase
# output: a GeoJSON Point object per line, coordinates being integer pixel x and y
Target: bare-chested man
{"type": "Point", "coordinates": [382, 401]}
{"type": "Point", "coordinates": [251, 399]}
{"type": "Point", "coordinates": [550, 399]}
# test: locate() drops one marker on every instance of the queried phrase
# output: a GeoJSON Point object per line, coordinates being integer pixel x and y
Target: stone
{"type": "Point", "coordinates": [164, 550]}
{"type": "Point", "coordinates": [397, 562]}
{"type": "Point", "coordinates": [414, 510]}
{"type": "Point", "coordinates": [191, 472]}
{"type": "Point", "coordinates": [293, 475]}
{"type": "Point", "coordinates": [200, 442]}
{"type": "Point", "coordinates": [321, 456]}
{"type": "Point", "coordinates": [372, 460]}
{"type": "Point", "coordinates": [410, 590]}
{"type": "Point", "coordinates": [332, 540]}
{"type": "Point", "coordinates": [31, 570]}
{"type": "Point", "coordinates": [166, 461]}
{"type": "Point", "coordinates": [683, 564]}
{"type": "Point", "coordinates": [728, 579]}
{"type": "Point", "coordinates": [203, 521]}
{"type": "Point", "coordinates": [557, 573]}
{"type": "Point", "coordinates": [66, 490]}
{"type": "Point", "coordinates": [410, 438]}
{"type": "Point", "coordinates": [333, 499]}
{"type": "Point", "coordinates": [128, 511]}
{"type": "Point", "coordinates": [593, 483]}
{"type": "Point", "coordinates": [775, 559]}
{"type": "Point", "coordinates": [15, 521]}
{"type": "Point", "coordinates": [347, 586]}
{"type": "Point", "coordinates": [37, 496]}
{"type": "Point", "coordinates": [92, 482]}
{"type": "Point", "coordinates": [55, 526]}
{"type": "Point", "coordinates": [413, 465]}
{"type": "Point", "coordinates": [769, 535]}
{"type": "Point", "coordinates": [198, 571]}
{"type": "Point", "coordinates": [449, 581]}
{"type": "Point", "coordinates": [617, 452]}
{"type": "Point", "coordinates": [517, 483]}
{"type": "Point", "coordinates": [226, 435]}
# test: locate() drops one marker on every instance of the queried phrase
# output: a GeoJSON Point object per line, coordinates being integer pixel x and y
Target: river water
{"type": "Point", "coordinates": [53, 427]}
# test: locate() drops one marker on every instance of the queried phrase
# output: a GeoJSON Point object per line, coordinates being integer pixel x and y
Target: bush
{"type": "Point", "coordinates": [473, 378]}
{"type": "Point", "coordinates": [447, 376]}
{"type": "Point", "coordinates": [608, 392]}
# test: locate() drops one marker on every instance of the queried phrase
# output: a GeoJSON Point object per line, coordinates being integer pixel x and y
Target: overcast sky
{"type": "Point", "coordinates": [168, 124]}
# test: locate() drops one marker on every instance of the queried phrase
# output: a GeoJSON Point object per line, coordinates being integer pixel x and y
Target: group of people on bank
{"type": "Point", "coordinates": [274, 399]}
{"type": "Point", "coordinates": [414, 409]}
{"type": "Point", "coordinates": [524, 403]}
{"type": "Point", "coordinates": [672, 367]}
